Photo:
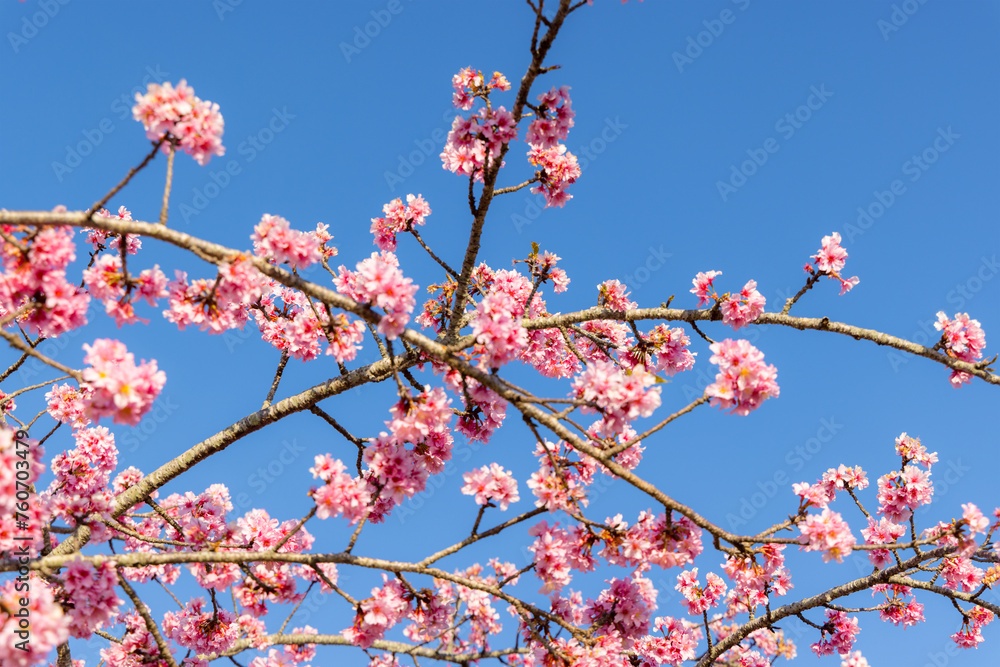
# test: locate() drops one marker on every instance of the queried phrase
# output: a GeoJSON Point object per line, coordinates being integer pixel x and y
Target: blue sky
{"type": "Point", "coordinates": [856, 110]}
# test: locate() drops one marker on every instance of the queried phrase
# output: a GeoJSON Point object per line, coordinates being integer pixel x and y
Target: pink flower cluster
{"type": "Point", "coordinates": [854, 659]}
{"type": "Point", "coordinates": [35, 275]}
{"type": "Point", "coordinates": [499, 334]}
{"type": "Point", "coordinates": [625, 609]}
{"type": "Point", "coordinates": [274, 239]}
{"type": "Point", "coordinates": [838, 635]}
{"type": "Point", "coordinates": [561, 482]}
{"type": "Point", "coordinates": [829, 533]}
{"type": "Point", "coordinates": [962, 338]}
{"type": "Point", "coordinates": [199, 630]}
{"type": "Point", "coordinates": [90, 599]}
{"type": "Point", "coordinates": [470, 83]}
{"type": "Point", "coordinates": [491, 484]}
{"type": "Point", "coordinates": [557, 551]}
{"type": "Point", "coordinates": [554, 120]}
{"type": "Point", "coordinates": [483, 409]}
{"type": "Point", "coordinates": [897, 609]}
{"type": "Point", "coordinates": [663, 349]}
{"type": "Point", "coordinates": [379, 282]}
{"type": "Point", "coordinates": [830, 260]}
{"type": "Point", "coordinates": [474, 140]}
{"type": "Point", "coordinates": [618, 397]}
{"type": "Point", "coordinates": [388, 605]}
{"type": "Point", "coordinates": [970, 636]}
{"type": "Point", "coordinates": [614, 294]}
{"type": "Point", "coordinates": [397, 472]}
{"type": "Point", "coordinates": [341, 494]}
{"type": "Point", "coordinates": [754, 582]}
{"type": "Point", "coordinates": [558, 169]}
{"type": "Point", "coordinates": [82, 475]}
{"type": "Point", "coordinates": [21, 462]}
{"type": "Point", "coordinates": [653, 539]}
{"type": "Point", "coordinates": [882, 531]}
{"type": "Point", "coordinates": [103, 240]}
{"type": "Point", "coordinates": [118, 388]}
{"type": "Point", "coordinates": [744, 381]}
{"type": "Point", "coordinates": [911, 450]}
{"type": "Point", "coordinates": [697, 598]}
{"type": "Point", "coordinates": [739, 310]}
{"type": "Point", "coordinates": [902, 491]}
{"type": "Point", "coordinates": [822, 493]}
{"type": "Point", "coordinates": [195, 124]}
{"type": "Point", "coordinates": [288, 321]}
{"type": "Point", "coordinates": [677, 645]}
{"type": "Point", "coordinates": [543, 268]}
{"type": "Point", "coordinates": [399, 218]}
{"type": "Point", "coordinates": [704, 287]}
{"type": "Point", "coordinates": [106, 281]}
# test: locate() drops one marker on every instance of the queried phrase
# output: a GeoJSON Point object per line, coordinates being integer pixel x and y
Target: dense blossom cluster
{"type": "Point", "coordinates": [379, 282]}
{"type": "Point", "coordinates": [274, 239]}
{"type": "Point", "coordinates": [839, 633]}
{"type": "Point", "coordinates": [558, 168]}
{"type": "Point", "coordinates": [116, 386]}
{"type": "Point", "coordinates": [962, 338]}
{"type": "Point", "coordinates": [33, 284]}
{"type": "Point", "coordinates": [829, 533]}
{"type": "Point", "coordinates": [491, 484]}
{"type": "Point", "coordinates": [554, 120]}
{"type": "Point", "coordinates": [498, 332]}
{"type": "Point", "coordinates": [744, 381]}
{"type": "Point", "coordinates": [620, 398]}
{"type": "Point", "coordinates": [175, 113]}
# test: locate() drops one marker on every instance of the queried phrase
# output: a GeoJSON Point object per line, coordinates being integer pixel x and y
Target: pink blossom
{"type": "Point", "coordinates": [619, 398]}
{"type": "Point", "coordinates": [554, 120]}
{"type": "Point", "coordinates": [743, 381]}
{"type": "Point", "coordinates": [558, 169]}
{"type": "Point", "coordinates": [901, 492]}
{"type": "Point", "coordinates": [399, 218]}
{"type": "Point", "coordinates": [911, 450]}
{"type": "Point", "coordinates": [90, 596]}
{"type": "Point", "coordinates": [703, 287]}
{"type": "Point", "coordinates": [697, 598]}
{"type": "Point", "coordinates": [854, 659]}
{"type": "Point", "coordinates": [387, 607]}
{"type": "Point", "coordinates": [274, 239]}
{"type": "Point", "coordinates": [829, 533]}
{"type": "Point", "coordinates": [678, 643]}
{"type": "Point", "coordinates": [962, 338]}
{"type": "Point", "coordinates": [499, 334]}
{"type": "Point", "coordinates": [625, 608]}
{"type": "Point", "coordinates": [379, 282]}
{"type": "Point", "coordinates": [739, 310]}
{"type": "Point", "coordinates": [119, 388]}
{"type": "Point", "coordinates": [614, 295]}
{"type": "Point", "coordinates": [195, 124]}
{"type": "Point", "coordinates": [838, 634]}
{"type": "Point", "coordinates": [961, 574]}
{"type": "Point", "coordinates": [491, 484]}
{"type": "Point", "coordinates": [109, 240]}
{"type": "Point", "coordinates": [882, 531]}
{"type": "Point", "coordinates": [830, 260]}
{"type": "Point", "coordinates": [208, 631]}
{"type": "Point", "coordinates": [341, 494]}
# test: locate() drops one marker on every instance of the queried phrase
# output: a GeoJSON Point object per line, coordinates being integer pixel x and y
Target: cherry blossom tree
{"type": "Point", "coordinates": [85, 552]}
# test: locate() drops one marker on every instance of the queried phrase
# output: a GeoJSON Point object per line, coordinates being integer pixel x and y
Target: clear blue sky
{"type": "Point", "coordinates": [665, 120]}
